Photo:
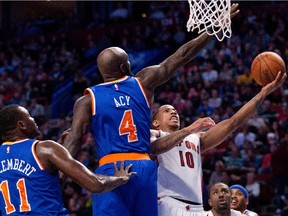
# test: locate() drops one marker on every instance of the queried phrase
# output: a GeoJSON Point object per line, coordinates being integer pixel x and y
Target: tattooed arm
{"type": "Point", "coordinates": [217, 134]}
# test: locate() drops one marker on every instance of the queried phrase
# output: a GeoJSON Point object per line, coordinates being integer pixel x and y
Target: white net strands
{"type": "Point", "coordinates": [211, 16]}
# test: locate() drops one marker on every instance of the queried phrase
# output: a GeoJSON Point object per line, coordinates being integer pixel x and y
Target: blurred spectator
{"type": "Point", "coordinates": [252, 160]}
{"type": "Point", "coordinates": [234, 159]}
{"type": "Point", "coordinates": [216, 175]}
{"type": "Point", "coordinates": [245, 78]}
{"type": "Point", "coordinates": [253, 188]}
{"type": "Point", "coordinates": [119, 13]}
{"type": "Point", "coordinates": [37, 111]}
{"type": "Point", "coordinates": [80, 83]}
{"type": "Point", "coordinates": [204, 108]}
{"type": "Point", "coordinates": [279, 161]}
{"type": "Point", "coordinates": [267, 111]}
{"type": "Point", "coordinates": [244, 134]}
{"type": "Point", "coordinates": [209, 74]}
{"type": "Point", "coordinates": [266, 166]}
{"type": "Point", "coordinates": [214, 101]}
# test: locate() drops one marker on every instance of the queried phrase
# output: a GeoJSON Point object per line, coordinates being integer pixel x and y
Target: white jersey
{"type": "Point", "coordinates": [249, 213]}
{"type": "Point", "coordinates": [180, 170]}
{"type": "Point", "coordinates": [168, 206]}
{"type": "Point", "coordinates": [233, 213]}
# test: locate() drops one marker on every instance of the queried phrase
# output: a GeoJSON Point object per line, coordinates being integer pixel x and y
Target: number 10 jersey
{"type": "Point", "coordinates": [180, 170]}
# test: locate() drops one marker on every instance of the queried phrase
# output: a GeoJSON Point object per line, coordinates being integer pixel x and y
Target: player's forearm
{"type": "Point", "coordinates": [95, 183]}
{"type": "Point", "coordinates": [106, 183]}
{"type": "Point", "coordinates": [189, 50]}
{"type": "Point", "coordinates": [192, 48]}
{"type": "Point", "coordinates": [216, 135]}
{"type": "Point", "coordinates": [72, 144]}
{"type": "Point", "coordinates": [166, 143]}
{"type": "Point", "coordinates": [249, 109]}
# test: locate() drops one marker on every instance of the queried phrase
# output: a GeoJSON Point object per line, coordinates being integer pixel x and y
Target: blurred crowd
{"type": "Point", "coordinates": [216, 84]}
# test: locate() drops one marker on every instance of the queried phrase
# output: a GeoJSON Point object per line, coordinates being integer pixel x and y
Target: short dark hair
{"type": "Point", "coordinates": [9, 116]}
{"type": "Point", "coordinates": [216, 183]}
{"type": "Point", "coordinates": [155, 115]}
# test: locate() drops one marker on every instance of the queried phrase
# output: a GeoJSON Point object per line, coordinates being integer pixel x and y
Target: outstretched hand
{"type": "Point", "coordinates": [279, 81]}
{"type": "Point", "coordinates": [200, 125]}
{"type": "Point", "coordinates": [234, 10]}
{"type": "Point", "coordinates": [154, 134]}
{"type": "Point", "coordinates": [123, 172]}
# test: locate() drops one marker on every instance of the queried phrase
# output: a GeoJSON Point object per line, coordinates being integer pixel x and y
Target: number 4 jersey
{"type": "Point", "coordinates": [180, 170]}
{"type": "Point", "coordinates": [25, 187]}
{"type": "Point", "coordinates": [120, 117]}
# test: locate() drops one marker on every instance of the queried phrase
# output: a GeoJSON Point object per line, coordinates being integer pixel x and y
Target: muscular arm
{"type": "Point", "coordinates": [153, 76]}
{"type": "Point", "coordinates": [55, 157]}
{"type": "Point", "coordinates": [166, 143]}
{"type": "Point", "coordinates": [217, 134]}
{"type": "Point", "coordinates": [82, 112]}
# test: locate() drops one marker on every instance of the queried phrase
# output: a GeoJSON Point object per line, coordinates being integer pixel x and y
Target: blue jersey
{"type": "Point", "coordinates": [120, 117]}
{"type": "Point", "coordinates": [25, 187]}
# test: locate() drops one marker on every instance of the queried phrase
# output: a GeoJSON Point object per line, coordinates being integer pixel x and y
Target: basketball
{"type": "Point", "coordinates": [266, 66]}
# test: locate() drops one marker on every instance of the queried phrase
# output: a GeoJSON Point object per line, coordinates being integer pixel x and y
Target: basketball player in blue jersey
{"type": "Point", "coordinates": [179, 152]}
{"type": "Point", "coordinates": [29, 179]}
{"type": "Point", "coordinates": [118, 114]}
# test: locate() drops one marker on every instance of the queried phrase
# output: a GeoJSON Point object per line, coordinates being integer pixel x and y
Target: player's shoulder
{"type": "Point", "coordinates": [250, 213]}
{"type": "Point", "coordinates": [208, 213]}
{"type": "Point", "coordinates": [233, 213]}
{"type": "Point", "coordinates": [236, 213]}
{"type": "Point", "coordinates": [46, 143]}
{"type": "Point", "coordinates": [193, 137]}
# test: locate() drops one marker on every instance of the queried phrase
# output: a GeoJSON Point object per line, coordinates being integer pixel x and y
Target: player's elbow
{"type": "Point", "coordinates": [154, 151]}
{"type": "Point", "coordinates": [233, 124]}
{"type": "Point", "coordinates": [97, 188]}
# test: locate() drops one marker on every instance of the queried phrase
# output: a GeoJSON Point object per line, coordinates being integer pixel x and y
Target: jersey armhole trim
{"type": "Point", "coordinates": [93, 100]}
{"type": "Point", "coordinates": [143, 92]}
{"type": "Point", "coordinates": [33, 148]}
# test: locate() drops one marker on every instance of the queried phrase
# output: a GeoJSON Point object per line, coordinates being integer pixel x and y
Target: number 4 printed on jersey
{"type": "Point", "coordinates": [127, 126]}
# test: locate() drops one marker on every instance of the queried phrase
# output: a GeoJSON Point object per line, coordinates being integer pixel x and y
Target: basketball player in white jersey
{"type": "Point", "coordinates": [220, 201]}
{"type": "Point", "coordinates": [240, 200]}
{"type": "Point", "coordinates": [179, 152]}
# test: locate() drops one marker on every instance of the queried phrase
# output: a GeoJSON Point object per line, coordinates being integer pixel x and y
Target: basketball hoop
{"type": "Point", "coordinates": [211, 16]}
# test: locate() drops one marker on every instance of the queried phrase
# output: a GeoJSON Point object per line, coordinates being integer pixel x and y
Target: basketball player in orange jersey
{"type": "Point", "coordinates": [118, 114]}
{"type": "Point", "coordinates": [179, 152]}
{"type": "Point", "coordinates": [29, 179]}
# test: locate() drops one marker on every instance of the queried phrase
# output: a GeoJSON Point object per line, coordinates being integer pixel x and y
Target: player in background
{"type": "Point", "coordinates": [240, 200]}
{"type": "Point", "coordinates": [118, 114]}
{"type": "Point", "coordinates": [220, 201]}
{"type": "Point", "coordinates": [29, 177]}
{"type": "Point", "coordinates": [179, 151]}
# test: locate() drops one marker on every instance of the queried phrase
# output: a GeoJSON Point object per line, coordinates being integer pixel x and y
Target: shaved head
{"type": "Point", "coordinates": [113, 63]}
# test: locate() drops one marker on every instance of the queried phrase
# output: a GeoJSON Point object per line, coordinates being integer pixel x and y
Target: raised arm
{"type": "Point", "coordinates": [55, 157]}
{"type": "Point", "coordinates": [82, 112]}
{"type": "Point", "coordinates": [217, 134]}
{"type": "Point", "coordinates": [164, 144]}
{"type": "Point", "coordinates": [153, 76]}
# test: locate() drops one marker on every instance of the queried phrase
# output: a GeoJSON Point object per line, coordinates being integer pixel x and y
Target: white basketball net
{"type": "Point", "coordinates": [211, 16]}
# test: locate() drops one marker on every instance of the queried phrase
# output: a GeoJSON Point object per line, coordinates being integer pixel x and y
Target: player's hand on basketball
{"type": "Point", "coordinates": [123, 171]}
{"type": "Point", "coordinates": [200, 125]}
{"type": "Point", "coordinates": [234, 10]}
{"type": "Point", "coordinates": [279, 81]}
